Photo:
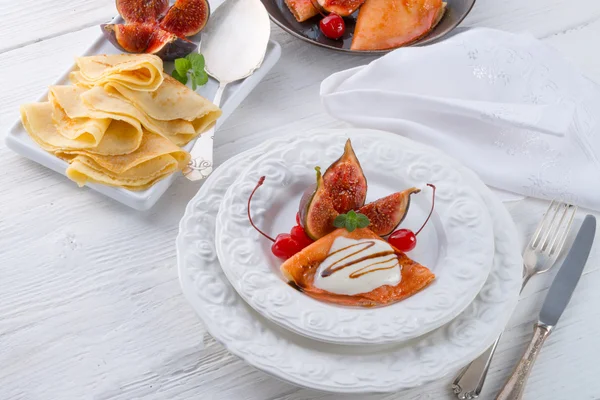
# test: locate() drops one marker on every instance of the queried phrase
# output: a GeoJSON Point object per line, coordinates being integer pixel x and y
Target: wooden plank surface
{"type": "Point", "coordinates": [91, 307]}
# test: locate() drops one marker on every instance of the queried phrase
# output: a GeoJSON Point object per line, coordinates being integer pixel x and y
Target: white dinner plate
{"type": "Point", "coordinates": [331, 367]}
{"type": "Point", "coordinates": [19, 141]}
{"type": "Point", "coordinates": [457, 244]}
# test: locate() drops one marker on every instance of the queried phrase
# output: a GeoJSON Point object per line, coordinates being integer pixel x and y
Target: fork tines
{"type": "Point", "coordinates": [551, 233]}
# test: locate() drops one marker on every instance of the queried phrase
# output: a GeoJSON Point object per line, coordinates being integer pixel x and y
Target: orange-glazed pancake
{"type": "Point", "coordinates": [387, 24]}
{"type": "Point", "coordinates": [302, 9]}
{"type": "Point", "coordinates": [355, 269]}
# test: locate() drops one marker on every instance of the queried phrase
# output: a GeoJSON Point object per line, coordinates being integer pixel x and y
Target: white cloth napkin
{"type": "Point", "coordinates": [507, 105]}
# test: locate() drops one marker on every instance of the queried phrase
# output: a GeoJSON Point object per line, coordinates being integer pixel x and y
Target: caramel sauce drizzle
{"type": "Point", "coordinates": [361, 272]}
{"type": "Point", "coordinates": [335, 267]}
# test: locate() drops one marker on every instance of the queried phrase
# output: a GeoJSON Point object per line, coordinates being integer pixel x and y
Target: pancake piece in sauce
{"type": "Point", "coordinates": [302, 9]}
{"type": "Point", "coordinates": [387, 24]}
{"type": "Point", "coordinates": [343, 8]}
{"type": "Point", "coordinates": [355, 269]}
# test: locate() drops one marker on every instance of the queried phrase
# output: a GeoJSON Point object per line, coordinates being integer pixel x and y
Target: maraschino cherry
{"type": "Point", "coordinates": [333, 26]}
{"type": "Point", "coordinates": [404, 239]}
{"type": "Point", "coordinates": [284, 245]}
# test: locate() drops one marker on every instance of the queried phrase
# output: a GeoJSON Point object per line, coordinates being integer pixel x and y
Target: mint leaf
{"type": "Point", "coordinates": [340, 221]}
{"type": "Point", "coordinates": [201, 78]}
{"type": "Point", "coordinates": [196, 60]}
{"type": "Point", "coordinates": [181, 78]}
{"type": "Point", "coordinates": [351, 224]}
{"type": "Point", "coordinates": [193, 63]}
{"type": "Point", "coordinates": [362, 220]}
{"type": "Point", "coordinates": [182, 66]}
{"type": "Point", "coordinates": [351, 221]}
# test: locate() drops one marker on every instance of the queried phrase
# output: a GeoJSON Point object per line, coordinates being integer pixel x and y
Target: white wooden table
{"type": "Point", "coordinates": [90, 304]}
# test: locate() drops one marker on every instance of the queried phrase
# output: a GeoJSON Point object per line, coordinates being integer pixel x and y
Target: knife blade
{"type": "Point", "coordinates": [566, 279]}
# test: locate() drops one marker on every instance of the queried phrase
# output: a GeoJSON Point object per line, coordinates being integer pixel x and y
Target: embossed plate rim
{"type": "Point", "coordinates": [294, 359]}
{"type": "Point", "coordinates": [461, 271]}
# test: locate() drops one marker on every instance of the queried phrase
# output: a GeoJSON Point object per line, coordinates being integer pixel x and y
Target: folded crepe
{"type": "Point", "coordinates": [119, 136]}
{"type": "Point", "coordinates": [171, 101]}
{"type": "Point", "coordinates": [122, 123]}
{"type": "Point", "coordinates": [136, 71]}
{"type": "Point", "coordinates": [155, 159]}
{"type": "Point", "coordinates": [179, 131]}
{"type": "Point", "coordinates": [75, 120]}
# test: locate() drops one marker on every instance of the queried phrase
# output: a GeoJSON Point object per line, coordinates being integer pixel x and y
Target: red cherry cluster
{"type": "Point", "coordinates": [404, 239]}
{"type": "Point", "coordinates": [284, 245]}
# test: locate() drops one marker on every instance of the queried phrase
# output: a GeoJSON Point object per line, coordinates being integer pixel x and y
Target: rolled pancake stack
{"type": "Point", "coordinates": [121, 123]}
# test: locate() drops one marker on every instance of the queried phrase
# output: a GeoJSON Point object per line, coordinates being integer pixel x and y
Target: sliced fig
{"type": "Point", "coordinates": [345, 182]}
{"type": "Point", "coordinates": [343, 8]}
{"type": "Point", "coordinates": [186, 17]}
{"type": "Point", "coordinates": [147, 38]}
{"type": "Point", "coordinates": [169, 46]}
{"type": "Point", "coordinates": [388, 212]}
{"type": "Point", "coordinates": [132, 38]}
{"type": "Point", "coordinates": [316, 210]}
{"type": "Point", "coordinates": [142, 11]}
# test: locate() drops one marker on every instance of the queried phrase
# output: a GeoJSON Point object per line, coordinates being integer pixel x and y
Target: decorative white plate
{"type": "Point", "coordinates": [331, 367]}
{"type": "Point", "coordinates": [457, 244]}
{"type": "Point", "coordinates": [19, 141]}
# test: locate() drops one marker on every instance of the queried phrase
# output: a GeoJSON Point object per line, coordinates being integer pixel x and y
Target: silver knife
{"type": "Point", "coordinates": [555, 303]}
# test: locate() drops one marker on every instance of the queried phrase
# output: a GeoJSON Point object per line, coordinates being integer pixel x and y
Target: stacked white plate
{"type": "Point", "coordinates": [233, 281]}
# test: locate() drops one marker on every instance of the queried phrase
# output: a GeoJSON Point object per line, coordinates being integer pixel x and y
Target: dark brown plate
{"type": "Point", "coordinates": [308, 31]}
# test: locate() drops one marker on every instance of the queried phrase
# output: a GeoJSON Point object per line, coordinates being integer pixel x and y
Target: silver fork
{"type": "Point", "coordinates": [539, 256]}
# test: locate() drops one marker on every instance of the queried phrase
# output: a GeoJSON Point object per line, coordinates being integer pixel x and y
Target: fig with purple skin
{"type": "Point", "coordinates": [342, 188]}
{"type": "Point", "coordinates": [316, 210]}
{"type": "Point", "coordinates": [345, 182]}
{"type": "Point", "coordinates": [149, 30]}
{"type": "Point", "coordinates": [142, 11]}
{"type": "Point", "coordinates": [169, 46]}
{"type": "Point", "coordinates": [388, 212]}
{"type": "Point", "coordinates": [146, 38]}
{"type": "Point", "coordinates": [186, 17]}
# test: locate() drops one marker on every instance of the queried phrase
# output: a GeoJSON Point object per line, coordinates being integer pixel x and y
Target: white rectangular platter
{"type": "Point", "coordinates": [19, 141]}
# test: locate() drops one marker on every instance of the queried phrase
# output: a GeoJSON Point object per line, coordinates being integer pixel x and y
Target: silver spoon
{"type": "Point", "coordinates": [234, 44]}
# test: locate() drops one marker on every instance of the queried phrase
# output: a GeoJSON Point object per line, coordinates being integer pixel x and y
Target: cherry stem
{"type": "Point", "coordinates": [259, 184]}
{"type": "Point", "coordinates": [430, 211]}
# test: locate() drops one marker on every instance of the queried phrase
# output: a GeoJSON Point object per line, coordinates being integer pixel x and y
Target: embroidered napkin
{"type": "Point", "coordinates": [507, 105]}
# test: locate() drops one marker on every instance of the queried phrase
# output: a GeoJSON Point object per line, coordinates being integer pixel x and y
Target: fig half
{"type": "Point", "coordinates": [345, 182]}
{"type": "Point", "coordinates": [388, 212]}
{"type": "Point", "coordinates": [186, 17]}
{"type": "Point", "coordinates": [133, 38]}
{"type": "Point", "coordinates": [140, 11]}
{"type": "Point", "coordinates": [169, 46]}
{"type": "Point", "coordinates": [147, 38]}
{"type": "Point", "coordinates": [316, 210]}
